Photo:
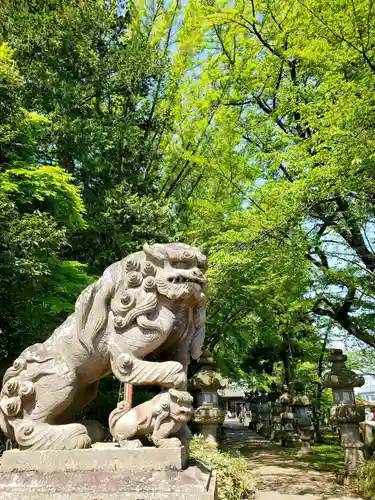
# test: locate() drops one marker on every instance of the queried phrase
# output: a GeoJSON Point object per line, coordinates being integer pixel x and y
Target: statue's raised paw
{"type": "Point", "coordinates": [167, 443]}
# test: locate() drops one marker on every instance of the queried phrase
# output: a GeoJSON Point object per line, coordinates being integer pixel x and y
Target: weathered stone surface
{"type": "Point", "coordinates": [104, 457]}
{"type": "Point", "coordinates": [149, 302]}
{"type": "Point", "coordinates": [194, 483]}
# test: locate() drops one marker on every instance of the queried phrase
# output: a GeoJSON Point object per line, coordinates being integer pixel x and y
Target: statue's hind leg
{"type": "Point", "coordinates": [83, 397]}
{"type": "Point", "coordinates": [38, 388]}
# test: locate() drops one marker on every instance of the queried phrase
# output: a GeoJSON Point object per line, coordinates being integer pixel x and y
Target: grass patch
{"type": "Point", "coordinates": [327, 456]}
{"type": "Point", "coordinates": [235, 481]}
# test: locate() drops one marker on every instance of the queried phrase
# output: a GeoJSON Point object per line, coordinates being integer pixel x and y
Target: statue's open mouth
{"type": "Point", "coordinates": [182, 286]}
{"type": "Point", "coordinates": [184, 279]}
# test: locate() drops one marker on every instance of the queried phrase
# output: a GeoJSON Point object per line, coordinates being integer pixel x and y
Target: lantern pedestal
{"type": "Point", "coordinates": [275, 418]}
{"type": "Point", "coordinates": [346, 414]}
{"type": "Point", "coordinates": [263, 427]}
{"type": "Point", "coordinates": [300, 405]}
{"type": "Point", "coordinates": [288, 433]}
{"type": "Point", "coordinates": [208, 415]}
{"type": "Point", "coordinates": [348, 419]}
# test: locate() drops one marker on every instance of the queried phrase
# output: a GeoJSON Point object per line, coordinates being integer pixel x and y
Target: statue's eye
{"type": "Point", "coordinates": [180, 265]}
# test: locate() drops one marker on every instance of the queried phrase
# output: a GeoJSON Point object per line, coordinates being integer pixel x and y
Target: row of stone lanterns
{"type": "Point", "coordinates": [281, 418]}
{"type": "Point", "coordinates": [287, 419]}
{"type": "Point", "coordinates": [291, 422]}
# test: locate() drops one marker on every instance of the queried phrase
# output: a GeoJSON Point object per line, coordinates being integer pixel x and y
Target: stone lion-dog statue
{"type": "Point", "coordinates": [149, 302]}
{"type": "Point", "coordinates": [163, 418]}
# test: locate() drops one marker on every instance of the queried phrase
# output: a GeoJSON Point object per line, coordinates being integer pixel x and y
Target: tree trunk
{"type": "Point", "coordinates": [318, 394]}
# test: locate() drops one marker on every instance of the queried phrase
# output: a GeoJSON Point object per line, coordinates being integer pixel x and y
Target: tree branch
{"type": "Point", "coordinates": [353, 235]}
{"type": "Point", "coordinates": [342, 317]}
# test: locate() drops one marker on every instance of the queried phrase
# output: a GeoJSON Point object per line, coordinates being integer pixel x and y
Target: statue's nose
{"type": "Point", "coordinates": [197, 272]}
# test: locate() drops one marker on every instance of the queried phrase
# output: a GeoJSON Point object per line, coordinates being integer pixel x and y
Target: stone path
{"type": "Point", "coordinates": [281, 477]}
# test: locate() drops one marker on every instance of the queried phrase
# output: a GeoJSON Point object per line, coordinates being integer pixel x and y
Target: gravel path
{"type": "Point", "coordinates": [279, 477]}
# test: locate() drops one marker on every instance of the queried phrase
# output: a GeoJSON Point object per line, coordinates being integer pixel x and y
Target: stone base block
{"type": "Point", "coordinates": [194, 483]}
{"type": "Point", "coordinates": [104, 457]}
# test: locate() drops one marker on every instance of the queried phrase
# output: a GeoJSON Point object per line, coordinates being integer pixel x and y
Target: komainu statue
{"type": "Point", "coordinates": [150, 302]}
{"type": "Point", "coordinates": [163, 418]}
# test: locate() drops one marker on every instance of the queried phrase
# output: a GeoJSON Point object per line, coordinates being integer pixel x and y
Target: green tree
{"type": "Point", "coordinates": [39, 205]}
{"type": "Point", "coordinates": [273, 130]}
{"type": "Point", "coordinates": [92, 69]}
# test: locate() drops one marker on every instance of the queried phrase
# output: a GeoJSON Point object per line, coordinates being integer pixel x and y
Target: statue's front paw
{"type": "Point", "coordinates": [132, 444]}
{"type": "Point", "coordinates": [168, 443]}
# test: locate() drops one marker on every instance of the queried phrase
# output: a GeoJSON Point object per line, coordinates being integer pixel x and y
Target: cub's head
{"type": "Point", "coordinates": [181, 405]}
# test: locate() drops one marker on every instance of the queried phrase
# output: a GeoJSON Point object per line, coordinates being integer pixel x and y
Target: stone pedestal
{"type": "Point", "coordinates": [300, 407]}
{"type": "Point", "coordinates": [209, 431]}
{"type": "Point", "coordinates": [346, 414]}
{"type": "Point", "coordinates": [348, 419]}
{"type": "Point", "coordinates": [263, 425]}
{"type": "Point", "coordinates": [105, 472]}
{"type": "Point", "coordinates": [276, 431]}
{"type": "Point", "coordinates": [289, 437]}
{"type": "Point", "coordinates": [105, 457]}
{"type": "Point", "coordinates": [288, 432]}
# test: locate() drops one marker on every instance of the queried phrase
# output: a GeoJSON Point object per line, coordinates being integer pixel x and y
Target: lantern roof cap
{"type": "Point", "coordinates": [339, 376]}
{"type": "Point", "coordinates": [207, 378]}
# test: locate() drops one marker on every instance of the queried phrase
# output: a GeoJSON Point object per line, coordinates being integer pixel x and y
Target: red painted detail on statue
{"type": "Point", "coordinates": [128, 393]}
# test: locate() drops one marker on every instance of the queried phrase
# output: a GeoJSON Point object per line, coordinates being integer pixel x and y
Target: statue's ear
{"type": "Point", "coordinates": [155, 252]}
{"type": "Point", "coordinates": [196, 345]}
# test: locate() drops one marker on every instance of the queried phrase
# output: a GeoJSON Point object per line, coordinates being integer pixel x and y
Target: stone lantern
{"type": "Point", "coordinates": [289, 437]}
{"type": "Point", "coordinates": [254, 407]}
{"type": "Point", "coordinates": [247, 412]}
{"type": "Point", "coordinates": [300, 407]}
{"type": "Point", "coordinates": [263, 414]}
{"type": "Point", "coordinates": [347, 415]}
{"type": "Point", "coordinates": [275, 417]}
{"type": "Point", "coordinates": [208, 415]}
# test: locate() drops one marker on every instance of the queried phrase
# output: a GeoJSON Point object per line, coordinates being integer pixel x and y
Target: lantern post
{"type": "Point", "coordinates": [345, 412]}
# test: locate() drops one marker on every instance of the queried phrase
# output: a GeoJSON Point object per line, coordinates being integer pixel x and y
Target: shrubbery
{"type": "Point", "coordinates": [235, 482]}
{"type": "Point", "coordinates": [366, 480]}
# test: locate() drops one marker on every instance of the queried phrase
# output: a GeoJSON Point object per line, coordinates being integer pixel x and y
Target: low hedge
{"type": "Point", "coordinates": [366, 479]}
{"type": "Point", "coordinates": [235, 481]}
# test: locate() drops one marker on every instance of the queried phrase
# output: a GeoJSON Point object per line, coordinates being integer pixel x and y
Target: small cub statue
{"type": "Point", "coordinates": [163, 418]}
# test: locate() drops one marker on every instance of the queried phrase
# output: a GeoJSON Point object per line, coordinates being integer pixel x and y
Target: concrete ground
{"type": "Point", "coordinates": [281, 477]}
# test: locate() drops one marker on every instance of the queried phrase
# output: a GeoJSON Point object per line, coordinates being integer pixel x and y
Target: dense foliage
{"type": "Point", "coordinates": [76, 134]}
{"type": "Point", "coordinates": [366, 480]}
{"type": "Point", "coordinates": [271, 161]}
{"type": "Point", "coordinates": [39, 205]}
